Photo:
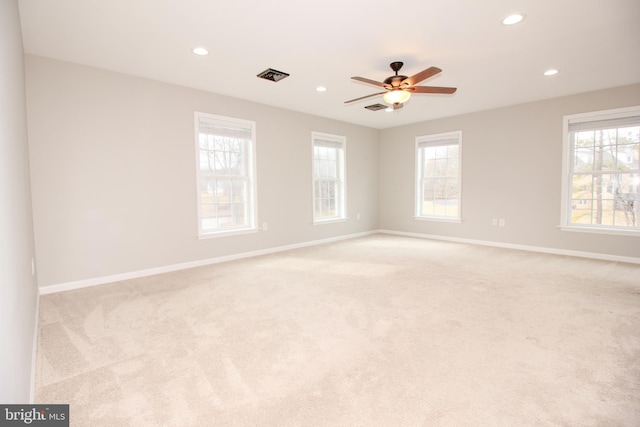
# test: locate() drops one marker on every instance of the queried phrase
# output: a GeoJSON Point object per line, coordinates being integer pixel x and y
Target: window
{"type": "Point", "coordinates": [328, 177]}
{"type": "Point", "coordinates": [226, 177]}
{"type": "Point", "coordinates": [601, 175]}
{"type": "Point", "coordinates": [438, 176]}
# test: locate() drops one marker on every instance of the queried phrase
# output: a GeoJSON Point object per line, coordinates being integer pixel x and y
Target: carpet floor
{"type": "Point", "coordinates": [375, 331]}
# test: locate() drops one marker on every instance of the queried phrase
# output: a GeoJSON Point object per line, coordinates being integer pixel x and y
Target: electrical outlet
{"type": "Point", "coordinates": [501, 222]}
{"type": "Point", "coordinates": [494, 221]}
{"type": "Point", "coordinates": [358, 216]}
{"type": "Point", "coordinates": [265, 226]}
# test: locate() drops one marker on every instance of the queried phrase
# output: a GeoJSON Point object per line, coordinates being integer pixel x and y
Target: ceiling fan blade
{"type": "Point", "coordinates": [422, 75]}
{"type": "Point", "coordinates": [371, 82]}
{"type": "Point", "coordinates": [363, 97]}
{"type": "Point", "coordinates": [431, 89]}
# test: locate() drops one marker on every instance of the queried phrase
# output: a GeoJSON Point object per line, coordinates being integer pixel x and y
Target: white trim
{"type": "Point", "coordinates": [436, 218]}
{"type": "Point", "coordinates": [340, 140]}
{"type": "Point", "coordinates": [567, 162]}
{"type": "Point", "coordinates": [600, 230]}
{"type": "Point", "coordinates": [234, 232]}
{"type": "Point", "coordinates": [34, 350]}
{"type": "Point", "coordinates": [567, 158]}
{"type": "Point", "coordinates": [417, 180]}
{"type": "Point", "coordinates": [567, 252]}
{"type": "Point", "coordinates": [614, 113]}
{"type": "Point", "coordinates": [252, 214]}
{"type": "Point", "coordinates": [60, 287]}
{"type": "Point", "coordinates": [329, 221]}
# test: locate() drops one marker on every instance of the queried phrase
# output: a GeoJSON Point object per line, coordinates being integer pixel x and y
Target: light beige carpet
{"type": "Point", "coordinates": [375, 331]}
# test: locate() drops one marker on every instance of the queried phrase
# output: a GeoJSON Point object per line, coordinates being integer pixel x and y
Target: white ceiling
{"type": "Point", "coordinates": [594, 43]}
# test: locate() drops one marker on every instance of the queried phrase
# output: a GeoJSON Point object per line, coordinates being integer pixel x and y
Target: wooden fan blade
{"type": "Point", "coordinates": [422, 75]}
{"type": "Point", "coordinates": [371, 82]}
{"type": "Point", "coordinates": [431, 89]}
{"type": "Point", "coordinates": [363, 97]}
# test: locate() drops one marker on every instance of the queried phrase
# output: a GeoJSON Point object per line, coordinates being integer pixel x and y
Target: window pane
{"type": "Point", "coordinates": [429, 168]}
{"type": "Point", "coordinates": [583, 159]}
{"type": "Point", "coordinates": [441, 167]}
{"type": "Point", "coordinates": [238, 213]}
{"type": "Point", "coordinates": [438, 178]}
{"type": "Point", "coordinates": [429, 153]}
{"type": "Point", "coordinates": [452, 167]}
{"type": "Point", "coordinates": [331, 190]}
{"type": "Point", "coordinates": [453, 189]}
{"type": "Point", "coordinates": [581, 211]}
{"type": "Point", "coordinates": [428, 192]}
{"type": "Point", "coordinates": [225, 179]}
{"type": "Point", "coordinates": [452, 207]}
{"type": "Point", "coordinates": [582, 186]}
{"type": "Point", "coordinates": [627, 157]}
{"type": "Point", "coordinates": [608, 195]}
{"type": "Point", "coordinates": [332, 168]}
{"type": "Point", "coordinates": [441, 152]}
{"type": "Point", "coordinates": [328, 186]}
{"type": "Point", "coordinates": [605, 157]}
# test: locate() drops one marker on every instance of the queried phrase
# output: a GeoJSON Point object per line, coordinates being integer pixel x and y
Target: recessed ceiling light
{"type": "Point", "coordinates": [551, 72]}
{"type": "Point", "coordinates": [200, 51]}
{"type": "Point", "coordinates": [513, 19]}
{"type": "Point", "coordinates": [321, 89]}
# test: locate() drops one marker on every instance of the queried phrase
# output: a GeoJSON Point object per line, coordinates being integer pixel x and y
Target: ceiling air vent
{"type": "Point", "coordinates": [376, 107]}
{"type": "Point", "coordinates": [273, 75]}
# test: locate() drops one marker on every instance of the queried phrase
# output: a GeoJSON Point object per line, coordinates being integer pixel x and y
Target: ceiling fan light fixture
{"type": "Point", "coordinates": [396, 96]}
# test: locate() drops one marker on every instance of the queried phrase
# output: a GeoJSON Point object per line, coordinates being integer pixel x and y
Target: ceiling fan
{"type": "Point", "coordinates": [398, 88]}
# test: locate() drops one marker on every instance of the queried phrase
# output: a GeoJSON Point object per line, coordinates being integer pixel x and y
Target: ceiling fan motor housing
{"type": "Point", "coordinates": [395, 81]}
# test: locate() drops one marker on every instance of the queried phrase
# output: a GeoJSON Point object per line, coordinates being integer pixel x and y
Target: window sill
{"type": "Point", "coordinates": [435, 218]}
{"type": "Point", "coordinates": [329, 221]}
{"type": "Point", "coordinates": [600, 230]}
{"type": "Point", "coordinates": [217, 234]}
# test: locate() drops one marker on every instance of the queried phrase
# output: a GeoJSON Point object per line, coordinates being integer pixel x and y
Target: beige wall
{"type": "Point", "coordinates": [512, 169]}
{"type": "Point", "coordinates": [113, 173]}
{"type": "Point", "coordinates": [18, 292]}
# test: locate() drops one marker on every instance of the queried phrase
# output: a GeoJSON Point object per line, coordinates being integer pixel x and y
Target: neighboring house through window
{"type": "Point", "coordinates": [601, 172]}
{"type": "Point", "coordinates": [226, 175]}
{"type": "Point", "coordinates": [329, 186]}
{"type": "Point", "coordinates": [438, 176]}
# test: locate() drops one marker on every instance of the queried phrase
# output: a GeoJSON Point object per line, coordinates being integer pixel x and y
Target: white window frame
{"type": "Point", "coordinates": [250, 209]}
{"type": "Point", "coordinates": [435, 140]}
{"type": "Point", "coordinates": [584, 119]}
{"type": "Point", "coordinates": [340, 143]}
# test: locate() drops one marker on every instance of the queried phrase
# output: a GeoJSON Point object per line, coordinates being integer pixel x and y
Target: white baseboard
{"type": "Point", "coordinates": [183, 266]}
{"type": "Point", "coordinates": [60, 287]}
{"type": "Point", "coordinates": [554, 251]}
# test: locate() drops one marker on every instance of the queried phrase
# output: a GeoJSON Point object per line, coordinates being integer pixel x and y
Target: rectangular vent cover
{"type": "Point", "coordinates": [273, 75]}
{"type": "Point", "coordinates": [376, 107]}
